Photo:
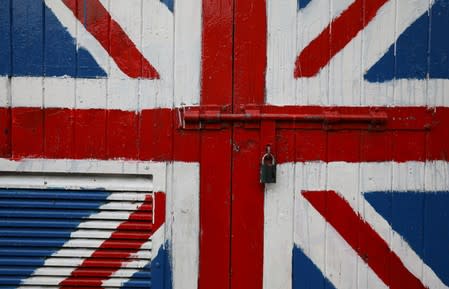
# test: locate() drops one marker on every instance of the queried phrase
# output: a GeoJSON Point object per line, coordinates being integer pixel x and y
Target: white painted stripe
{"type": "Point", "coordinates": [60, 92]}
{"type": "Point", "coordinates": [281, 54]}
{"type": "Point", "coordinates": [97, 167]}
{"type": "Point", "coordinates": [187, 52]}
{"type": "Point", "coordinates": [5, 92]}
{"type": "Point", "coordinates": [183, 221]}
{"type": "Point", "coordinates": [278, 237]}
{"type": "Point", "coordinates": [85, 182]}
{"type": "Point", "coordinates": [27, 92]}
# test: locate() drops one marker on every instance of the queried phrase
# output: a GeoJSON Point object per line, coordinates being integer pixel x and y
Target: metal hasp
{"type": "Point", "coordinates": [268, 119]}
{"type": "Point", "coordinates": [268, 167]}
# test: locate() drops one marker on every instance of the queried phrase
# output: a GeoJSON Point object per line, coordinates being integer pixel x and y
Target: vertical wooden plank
{"type": "Point", "coordinates": [123, 138]}
{"type": "Point", "coordinates": [342, 262]}
{"type": "Point", "coordinates": [5, 38]}
{"type": "Point", "coordinates": [438, 51]}
{"type": "Point", "coordinates": [436, 144]}
{"type": "Point", "coordinates": [309, 231]}
{"type": "Point", "coordinates": [215, 172]}
{"type": "Point", "coordinates": [122, 134]}
{"type": "Point", "coordinates": [281, 52]}
{"type": "Point", "coordinates": [5, 117]}
{"type": "Point", "coordinates": [376, 41]}
{"type": "Point", "coordinates": [345, 74]}
{"type": "Point", "coordinates": [156, 40]}
{"type": "Point", "coordinates": [373, 175]}
{"type": "Point", "coordinates": [250, 48]}
{"type": "Point", "coordinates": [89, 123]}
{"type": "Point", "coordinates": [5, 83]}
{"type": "Point", "coordinates": [156, 140]}
{"type": "Point", "coordinates": [185, 226]}
{"type": "Point", "coordinates": [122, 92]}
{"type": "Point", "coordinates": [27, 117]}
{"type": "Point", "coordinates": [188, 52]}
{"type": "Point", "coordinates": [411, 92]}
{"type": "Point", "coordinates": [278, 235]}
{"type": "Point", "coordinates": [310, 22]}
{"type": "Point", "coordinates": [28, 38]}
{"type": "Point", "coordinates": [27, 123]}
{"type": "Point", "coordinates": [90, 94]}
{"type": "Point", "coordinates": [216, 69]}
{"type": "Point", "coordinates": [58, 92]}
{"type": "Point", "coordinates": [407, 177]}
{"type": "Point", "coordinates": [58, 130]}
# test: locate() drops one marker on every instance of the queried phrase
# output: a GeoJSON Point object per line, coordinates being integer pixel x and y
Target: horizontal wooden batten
{"type": "Point", "coordinates": [399, 133]}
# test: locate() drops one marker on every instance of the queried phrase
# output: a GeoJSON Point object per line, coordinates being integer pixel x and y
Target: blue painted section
{"type": "Point", "coordinates": [39, 223]}
{"type": "Point", "coordinates": [422, 219]}
{"type": "Point", "coordinates": [416, 55]}
{"type": "Point", "coordinates": [42, 46]}
{"type": "Point", "coordinates": [305, 274]}
{"type": "Point", "coordinates": [53, 194]}
{"type": "Point", "coordinates": [63, 204]}
{"type": "Point", "coordinates": [28, 235]}
{"type": "Point", "coordinates": [28, 38]}
{"type": "Point", "coordinates": [156, 275]}
{"type": "Point", "coordinates": [5, 37]}
{"type": "Point", "coordinates": [303, 3]}
{"type": "Point", "coordinates": [169, 3]}
{"type": "Point", "coordinates": [47, 214]}
{"type": "Point", "coordinates": [33, 233]}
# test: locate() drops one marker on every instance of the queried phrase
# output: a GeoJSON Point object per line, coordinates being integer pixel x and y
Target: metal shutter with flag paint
{"type": "Point", "coordinates": [84, 238]}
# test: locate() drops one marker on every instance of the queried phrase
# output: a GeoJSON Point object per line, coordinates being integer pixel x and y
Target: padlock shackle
{"type": "Point", "coordinates": [268, 154]}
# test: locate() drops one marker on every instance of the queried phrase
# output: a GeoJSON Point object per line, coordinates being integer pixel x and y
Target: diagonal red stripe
{"type": "Point", "coordinates": [111, 36]}
{"type": "Point", "coordinates": [103, 262]}
{"type": "Point", "coordinates": [336, 36]}
{"type": "Point", "coordinates": [363, 239]}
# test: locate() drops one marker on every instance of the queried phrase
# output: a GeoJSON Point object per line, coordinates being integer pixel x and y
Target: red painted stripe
{"type": "Point", "coordinates": [410, 134]}
{"type": "Point", "coordinates": [215, 146]}
{"type": "Point", "coordinates": [336, 36]}
{"type": "Point", "coordinates": [5, 133]}
{"type": "Point", "coordinates": [96, 134]}
{"type": "Point", "coordinates": [111, 36]}
{"type": "Point", "coordinates": [27, 124]}
{"type": "Point", "coordinates": [250, 35]}
{"type": "Point", "coordinates": [363, 239]}
{"type": "Point", "coordinates": [112, 260]}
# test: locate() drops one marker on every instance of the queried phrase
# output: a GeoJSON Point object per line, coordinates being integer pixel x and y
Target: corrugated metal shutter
{"type": "Point", "coordinates": [75, 238]}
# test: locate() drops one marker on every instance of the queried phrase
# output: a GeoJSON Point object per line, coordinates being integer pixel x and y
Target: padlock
{"type": "Point", "coordinates": [268, 169]}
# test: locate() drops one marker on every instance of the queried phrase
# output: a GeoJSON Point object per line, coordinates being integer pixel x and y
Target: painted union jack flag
{"type": "Point", "coordinates": [106, 62]}
{"type": "Point", "coordinates": [357, 224]}
{"type": "Point", "coordinates": [91, 86]}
